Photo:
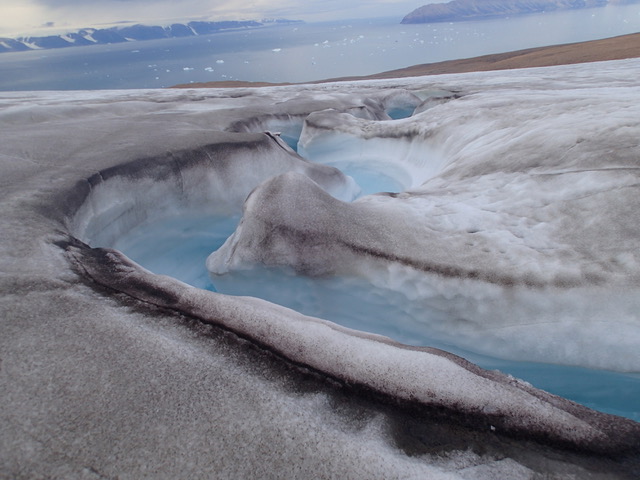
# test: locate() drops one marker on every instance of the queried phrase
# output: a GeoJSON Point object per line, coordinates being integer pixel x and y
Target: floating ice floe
{"type": "Point", "coordinates": [513, 221]}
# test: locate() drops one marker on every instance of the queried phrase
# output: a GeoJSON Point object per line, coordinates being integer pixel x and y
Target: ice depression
{"type": "Point", "coordinates": [515, 223]}
{"type": "Point", "coordinates": [515, 217]}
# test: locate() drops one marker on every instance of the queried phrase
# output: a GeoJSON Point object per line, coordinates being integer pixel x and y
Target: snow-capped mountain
{"type": "Point", "coordinates": [92, 36]}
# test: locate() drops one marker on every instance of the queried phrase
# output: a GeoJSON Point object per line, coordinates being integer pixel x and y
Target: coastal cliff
{"type": "Point", "coordinates": [460, 10]}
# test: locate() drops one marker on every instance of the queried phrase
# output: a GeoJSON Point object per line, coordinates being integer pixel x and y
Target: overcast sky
{"type": "Point", "coordinates": [30, 16]}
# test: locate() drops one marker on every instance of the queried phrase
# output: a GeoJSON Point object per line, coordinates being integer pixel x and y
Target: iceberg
{"type": "Point", "coordinates": [511, 216]}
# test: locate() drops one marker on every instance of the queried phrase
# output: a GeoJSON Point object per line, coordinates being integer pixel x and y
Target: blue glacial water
{"type": "Point", "coordinates": [304, 52]}
{"type": "Point", "coordinates": [179, 246]}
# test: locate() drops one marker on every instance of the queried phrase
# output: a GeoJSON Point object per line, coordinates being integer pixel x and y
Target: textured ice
{"type": "Point", "coordinates": [213, 182]}
{"type": "Point", "coordinates": [515, 221]}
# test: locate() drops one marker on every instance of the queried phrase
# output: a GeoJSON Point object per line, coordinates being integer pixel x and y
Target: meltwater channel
{"type": "Point", "coordinates": [179, 246]}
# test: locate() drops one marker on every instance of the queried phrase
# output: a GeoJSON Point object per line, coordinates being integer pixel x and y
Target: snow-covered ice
{"type": "Point", "coordinates": [512, 218]}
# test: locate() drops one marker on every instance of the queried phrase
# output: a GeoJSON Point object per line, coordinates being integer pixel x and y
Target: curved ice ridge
{"type": "Point", "coordinates": [210, 178]}
{"type": "Point", "coordinates": [414, 377]}
{"type": "Point", "coordinates": [334, 137]}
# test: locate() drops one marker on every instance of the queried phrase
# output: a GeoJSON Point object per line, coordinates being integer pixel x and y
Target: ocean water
{"type": "Point", "coordinates": [302, 52]}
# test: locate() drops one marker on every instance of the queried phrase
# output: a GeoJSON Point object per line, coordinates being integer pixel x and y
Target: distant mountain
{"type": "Point", "coordinates": [459, 10]}
{"type": "Point", "coordinates": [95, 36]}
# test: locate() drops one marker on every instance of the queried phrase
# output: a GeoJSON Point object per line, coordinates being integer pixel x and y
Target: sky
{"type": "Point", "coordinates": [58, 16]}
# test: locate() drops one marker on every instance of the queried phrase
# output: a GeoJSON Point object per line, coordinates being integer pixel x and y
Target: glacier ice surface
{"type": "Point", "coordinates": [489, 323]}
{"type": "Point", "coordinates": [501, 223]}
{"type": "Point", "coordinates": [178, 247]}
{"type": "Point", "coordinates": [162, 377]}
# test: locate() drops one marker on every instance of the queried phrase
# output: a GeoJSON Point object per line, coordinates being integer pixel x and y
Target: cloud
{"type": "Point", "coordinates": [67, 14]}
{"type": "Point", "coordinates": [16, 13]}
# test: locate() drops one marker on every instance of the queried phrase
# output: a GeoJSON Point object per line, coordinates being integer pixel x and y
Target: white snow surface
{"type": "Point", "coordinates": [516, 219]}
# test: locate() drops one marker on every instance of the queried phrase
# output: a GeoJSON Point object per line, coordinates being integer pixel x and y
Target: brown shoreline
{"type": "Point", "coordinates": [614, 48]}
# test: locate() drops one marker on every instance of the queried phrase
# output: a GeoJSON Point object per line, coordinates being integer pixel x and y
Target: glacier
{"type": "Point", "coordinates": [501, 203]}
